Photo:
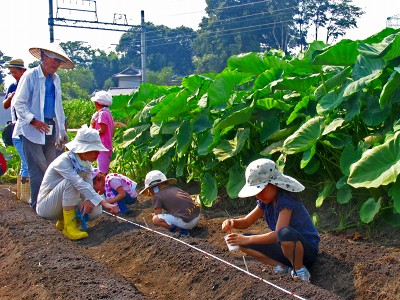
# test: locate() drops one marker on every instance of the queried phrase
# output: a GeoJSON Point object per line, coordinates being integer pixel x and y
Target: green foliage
{"type": "Point", "coordinates": [78, 112]}
{"type": "Point", "coordinates": [13, 164]}
{"type": "Point", "coordinates": [162, 77]}
{"type": "Point", "coordinates": [329, 117]}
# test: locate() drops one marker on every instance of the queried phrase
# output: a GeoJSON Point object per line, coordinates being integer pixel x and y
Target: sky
{"type": "Point", "coordinates": [23, 23]}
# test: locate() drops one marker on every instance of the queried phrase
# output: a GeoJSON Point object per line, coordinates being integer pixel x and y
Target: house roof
{"type": "Point", "coordinates": [131, 71]}
{"type": "Point", "coordinates": [115, 91]}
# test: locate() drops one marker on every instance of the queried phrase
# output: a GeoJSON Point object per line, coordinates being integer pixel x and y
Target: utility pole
{"type": "Point", "coordinates": [51, 22]}
{"type": "Point", "coordinates": [143, 48]}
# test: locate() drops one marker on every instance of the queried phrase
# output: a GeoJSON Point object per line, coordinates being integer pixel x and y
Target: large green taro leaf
{"type": "Point", "coordinates": [377, 166]}
{"type": "Point", "coordinates": [209, 190]}
{"type": "Point", "coordinates": [236, 180]}
{"type": "Point", "coordinates": [164, 149]}
{"type": "Point", "coordinates": [329, 188]}
{"type": "Point", "coordinates": [253, 63]}
{"type": "Point", "coordinates": [369, 209]}
{"type": "Point", "coordinates": [305, 137]}
{"type": "Point", "coordinates": [183, 138]}
{"type": "Point", "coordinates": [343, 53]}
{"type": "Point", "coordinates": [235, 118]}
{"type": "Point", "coordinates": [224, 86]}
{"type": "Point", "coordinates": [394, 192]}
{"type": "Point", "coordinates": [391, 86]}
{"type": "Point", "coordinates": [229, 148]}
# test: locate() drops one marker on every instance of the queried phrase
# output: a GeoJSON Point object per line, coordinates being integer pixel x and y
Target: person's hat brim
{"type": "Point", "coordinates": [250, 190]}
{"type": "Point", "coordinates": [66, 64]}
{"type": "Point", "coordinates": [169, 181]}
{"type": "Point", "coordinates": [15, 63]}
{"type": "Point", "coordinates": [83, 147]}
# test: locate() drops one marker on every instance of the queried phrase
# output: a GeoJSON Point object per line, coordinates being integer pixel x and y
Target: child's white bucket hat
{"type": "Point", "coordinates": [154, 178]}
{"type": "Point", "coordinates": [261, 172]}
{"type": "Point", "coordinates": [103, 98]}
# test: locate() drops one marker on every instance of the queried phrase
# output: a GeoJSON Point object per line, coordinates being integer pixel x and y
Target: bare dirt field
{"type": "Point", "coordinates": [121, 260]}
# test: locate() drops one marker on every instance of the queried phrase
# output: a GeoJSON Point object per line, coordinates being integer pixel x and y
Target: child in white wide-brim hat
{"type": "Point", "coordinates": [67, 188]}
{"type": "Point", "coordinates": [292, 244]}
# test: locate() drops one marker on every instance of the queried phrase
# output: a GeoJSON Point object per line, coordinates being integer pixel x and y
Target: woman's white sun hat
{"type": "Point", "coordinates": [86, 140]}
{"type": "Point", "coordinates": [53, 50]}
{"type": "Point", "coordinates": [154, 178]}
{"type": "Point", "coordinates": [103, 98]}
{"type": "Point", "coordinates": [261, 172]}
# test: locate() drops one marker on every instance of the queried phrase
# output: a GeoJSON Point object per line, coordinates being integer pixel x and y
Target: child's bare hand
{"type": "Point", "coordinates": [236, 239]}
{"type": "Point", "coordinates": [228, 225]}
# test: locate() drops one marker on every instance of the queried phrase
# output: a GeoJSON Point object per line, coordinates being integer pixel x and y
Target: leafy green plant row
{"type": "Point", "coordinates": [329, 116]}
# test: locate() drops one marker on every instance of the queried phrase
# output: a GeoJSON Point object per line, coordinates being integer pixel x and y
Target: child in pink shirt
{"type": "Point", "coordinates": [103, 121]}
{"type": "Point", "coordinates": [117, 189]}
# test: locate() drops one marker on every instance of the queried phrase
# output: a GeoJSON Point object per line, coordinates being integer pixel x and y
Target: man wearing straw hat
{"type": "Point", "coordinates": [41, 119]}
{"type": "Point", "coordinates": [67, 188]}
{"type": "Point", "coordinates": [17, 69]}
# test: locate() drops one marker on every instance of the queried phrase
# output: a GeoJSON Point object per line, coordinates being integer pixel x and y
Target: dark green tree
{"type": "Point", "coordinates": [104, 66]}
{"type": "Point", "coordinates": [342, 16]}
{"type": "Point", "coordinates": [165, 47]}
{"type": "Point", "coordinates": [237, 26]}
{"type": "Point", "coordinates": [81, 55]}
{"type": "Point", "coordinates": [77, 83]}
{"type": "Point", "coordinates": [3, 60]}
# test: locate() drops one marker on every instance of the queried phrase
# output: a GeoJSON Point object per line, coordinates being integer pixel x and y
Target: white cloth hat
{"type": "Point", "coordinates": [86, 140]}
{"type": "Point", "coordinates": [263, 171]}
{"type": "Point", "coordinates": [154, 178]}
{"type": "Point", "coordinates": [54, 51]}
{"type": "Point", "coordinates": [103, 98]}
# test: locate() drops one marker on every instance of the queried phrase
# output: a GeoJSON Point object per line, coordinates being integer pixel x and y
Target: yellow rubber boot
{"type": "Point", "coordinates": [71, 229]}
{"type": "Point", "coordinates": [60, 224]}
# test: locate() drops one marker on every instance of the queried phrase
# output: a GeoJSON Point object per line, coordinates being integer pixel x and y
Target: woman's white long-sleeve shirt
{"type": "Point", "coordinates": [60, 169]}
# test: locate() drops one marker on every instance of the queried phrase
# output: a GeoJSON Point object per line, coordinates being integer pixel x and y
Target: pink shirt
{"type": "Point", "coordinates": [114, 181]}
{"type": "Point", "coordinates": [104, 116]}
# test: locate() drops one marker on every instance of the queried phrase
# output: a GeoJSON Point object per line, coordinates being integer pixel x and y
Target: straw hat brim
{"type": "Point", "coordinates": [67, 64]}
{"type": "Point", "coordinates": [169, 181]}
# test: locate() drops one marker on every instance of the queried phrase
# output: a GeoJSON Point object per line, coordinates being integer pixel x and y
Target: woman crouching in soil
{"type": "Point", "coordinates": [67, 190]}
{"type": "Point", "coordinates": [292, 245]}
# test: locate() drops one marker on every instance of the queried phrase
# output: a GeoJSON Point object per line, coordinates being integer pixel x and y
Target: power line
{"type": "Point", "coordinates": [269, 25]}
{"type": "Point", "coordinates": [215, 29]}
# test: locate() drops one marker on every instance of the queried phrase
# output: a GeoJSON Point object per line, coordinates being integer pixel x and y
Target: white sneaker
{"type": "Point", "coordinates": [301, 274]}
{"type": "Point", "coordinates": [282, 270]}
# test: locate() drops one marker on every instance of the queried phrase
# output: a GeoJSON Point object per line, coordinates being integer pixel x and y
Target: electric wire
{"type": "Point", "coordinates": [208, 254]}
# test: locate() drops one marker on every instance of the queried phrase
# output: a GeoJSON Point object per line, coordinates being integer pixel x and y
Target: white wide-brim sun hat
{"type": "Point", "coordinates": [53, 50]}
{"type": "Point", "coordinates": [154, 178]}
{"type": "Point", "coordinates": [86, 140]}
{"type": "Point", "coordinates": [261, 172]}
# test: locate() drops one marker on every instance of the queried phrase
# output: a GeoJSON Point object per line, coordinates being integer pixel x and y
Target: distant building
{"type": "Point", "coordinates": [129, 81]}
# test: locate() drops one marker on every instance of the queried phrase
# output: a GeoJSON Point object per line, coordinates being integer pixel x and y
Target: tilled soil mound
{"type": "Point", "coordinates": [123, 259]}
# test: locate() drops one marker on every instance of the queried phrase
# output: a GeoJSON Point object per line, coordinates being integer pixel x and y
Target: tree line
{"type": "Point", "coordinates": [231, 27]}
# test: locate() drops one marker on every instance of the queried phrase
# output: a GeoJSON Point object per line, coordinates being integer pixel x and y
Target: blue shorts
{"type": "Point", "coordinates": [274, 251]}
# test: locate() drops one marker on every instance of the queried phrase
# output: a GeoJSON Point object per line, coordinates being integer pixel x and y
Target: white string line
{"type": "Point", "coordinates": [210, 255]}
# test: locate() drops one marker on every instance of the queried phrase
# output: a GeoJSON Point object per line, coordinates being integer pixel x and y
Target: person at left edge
{"type": "Point", "coordinates": [41, 118]}
{"type": "Point", "coordinates": [17, 69]}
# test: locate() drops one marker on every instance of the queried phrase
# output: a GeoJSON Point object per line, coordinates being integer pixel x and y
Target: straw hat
{"type": "Point", "coordinates": [15, 63]}
{"type": "Point", "coordinates": [103, 98]}
{"type": "Point", "coordinates": [154, 178]}
{"type": "Point", "coordinates": [86, 140]}
{"type": "Point", "coordinates": [54, 51]}
{"type": "Point", "coordinates": [263, 171]}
